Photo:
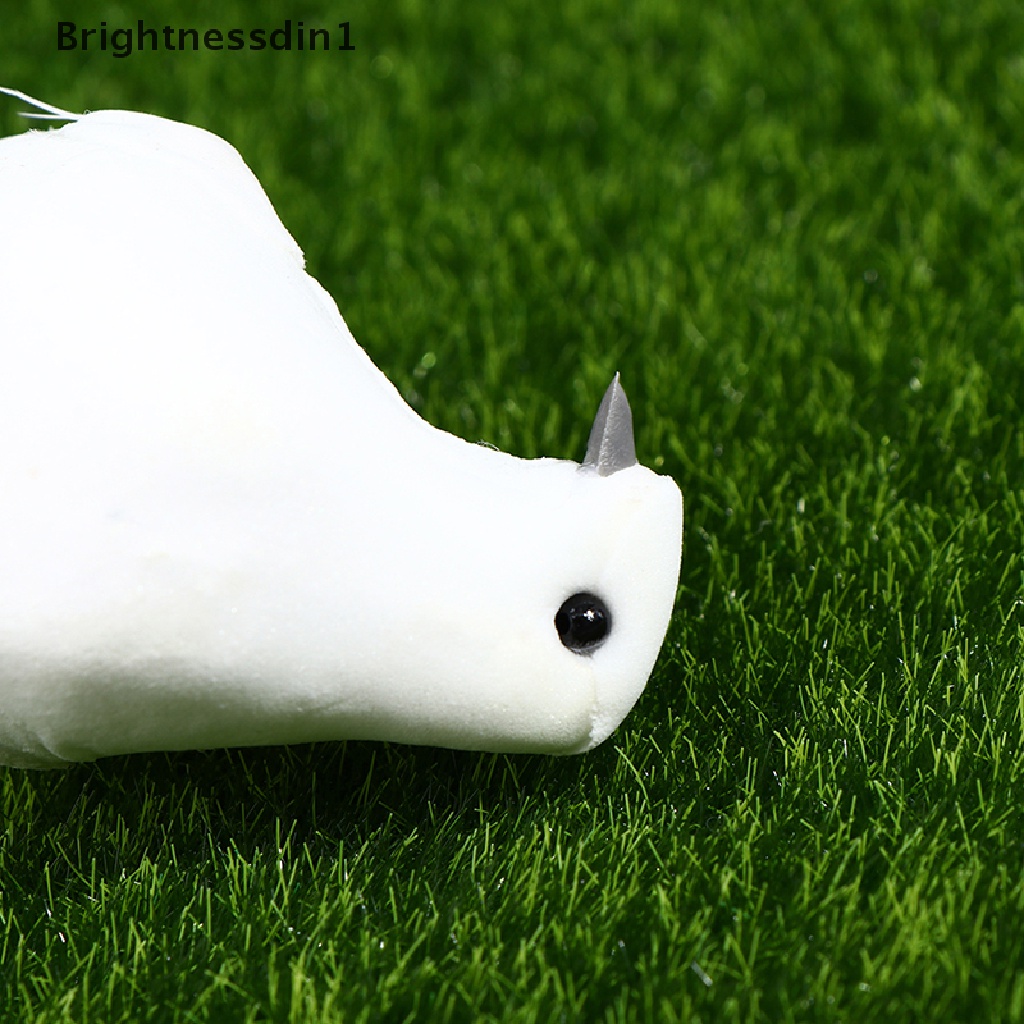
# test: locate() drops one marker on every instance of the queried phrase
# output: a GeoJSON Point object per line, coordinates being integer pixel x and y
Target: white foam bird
{"type": "Point", "coordinates": [220, 525]}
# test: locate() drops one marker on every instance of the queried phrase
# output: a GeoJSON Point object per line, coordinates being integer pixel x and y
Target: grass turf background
{"type": "Point", "coordinates": [796, 230]}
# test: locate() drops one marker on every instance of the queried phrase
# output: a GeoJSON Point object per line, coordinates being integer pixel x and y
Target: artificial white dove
{"type": "Point", "coordinates": [221, 525]}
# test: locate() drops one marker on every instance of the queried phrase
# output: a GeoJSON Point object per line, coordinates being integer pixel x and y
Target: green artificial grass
{"type": "Point", "coordinates": [796, 229]}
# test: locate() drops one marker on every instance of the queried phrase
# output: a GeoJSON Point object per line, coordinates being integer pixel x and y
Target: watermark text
{"type": "Point", "coordinates": [123, 41]}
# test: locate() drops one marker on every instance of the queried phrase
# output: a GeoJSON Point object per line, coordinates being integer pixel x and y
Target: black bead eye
{"type": "Point", "coordinates": [583, 622]}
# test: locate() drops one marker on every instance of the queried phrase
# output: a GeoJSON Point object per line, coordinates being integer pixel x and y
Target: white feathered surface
{"type": "Point", "coordinates": [221, 525]}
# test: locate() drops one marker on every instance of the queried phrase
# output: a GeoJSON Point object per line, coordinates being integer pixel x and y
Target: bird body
{"type": "Point", "coordinates": [221, 525]}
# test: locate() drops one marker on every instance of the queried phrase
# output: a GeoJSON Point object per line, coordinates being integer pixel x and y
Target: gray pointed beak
{"type": "Point", "coordinates": [611, 446]}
